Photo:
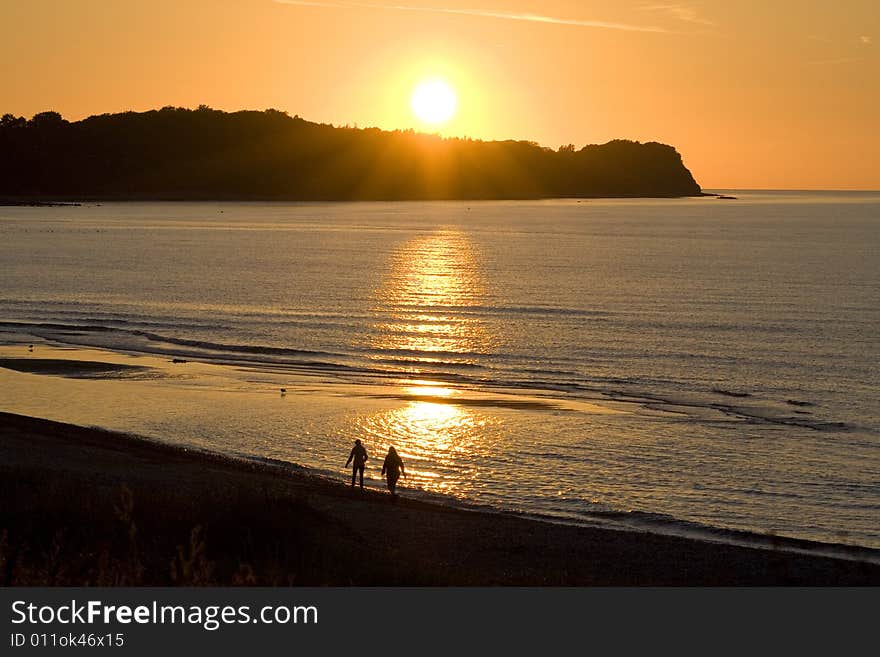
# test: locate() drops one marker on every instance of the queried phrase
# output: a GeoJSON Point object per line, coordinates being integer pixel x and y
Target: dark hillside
{"type": "Point", "coordinates": [180, 154]}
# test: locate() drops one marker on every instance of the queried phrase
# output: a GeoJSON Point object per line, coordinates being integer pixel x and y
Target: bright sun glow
{"type": "Point", "coordinates": [433, 101]}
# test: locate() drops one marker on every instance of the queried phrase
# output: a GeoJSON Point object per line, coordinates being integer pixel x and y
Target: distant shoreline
{"type": "Point", "coordinates": [38, 204]}
{"type": "Point", "coordinates": [78, 201]}
{"type": "Point", "coordinates": [130, 510]}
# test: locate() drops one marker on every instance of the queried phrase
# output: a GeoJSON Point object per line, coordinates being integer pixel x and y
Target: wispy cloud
{"type": "Point", "coordinates": [681, 12]}
{"type": "Point", "coordinates": [837, 60]}
{"type": "Point", "coordinates": [855, 55]}
{"type": "Point", "coordinates": [485, 13]}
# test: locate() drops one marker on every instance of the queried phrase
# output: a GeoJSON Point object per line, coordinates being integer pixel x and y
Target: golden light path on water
{"type": "Point", "coordinates": [431, 283]}
{"type": "Point", "coordinates": [433, 439]}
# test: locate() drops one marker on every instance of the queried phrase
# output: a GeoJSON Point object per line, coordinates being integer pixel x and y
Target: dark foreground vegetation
{"type": "Point", "coordinates": [181, 154]}
{"type": "Point", "coordinates": [89, 507]}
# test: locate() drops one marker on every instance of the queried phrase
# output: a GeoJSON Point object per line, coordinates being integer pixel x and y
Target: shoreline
{"type": "Point", "coordinates": [138, 368]}
{"type": "Point", "coordinates": [90, 506]}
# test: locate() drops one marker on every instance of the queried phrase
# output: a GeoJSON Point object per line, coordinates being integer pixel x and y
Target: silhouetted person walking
{"type": "Point", "coordinates": [358, 458]}
{"type": "Point", "coordinates": [393, 468]}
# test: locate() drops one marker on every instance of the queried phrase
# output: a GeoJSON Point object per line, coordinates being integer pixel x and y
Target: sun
{"type": "Point", "coordinates": [433, 101]}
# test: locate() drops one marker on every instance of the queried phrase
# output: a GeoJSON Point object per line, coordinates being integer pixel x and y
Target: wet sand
{"type": "Point", "coordinates": [77, 369]}
{"type": "Point", "coordinates": [84, 506]}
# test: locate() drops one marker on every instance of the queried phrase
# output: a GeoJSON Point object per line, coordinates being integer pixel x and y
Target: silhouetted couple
{"type": "Point", "coordinates": [392, 468]}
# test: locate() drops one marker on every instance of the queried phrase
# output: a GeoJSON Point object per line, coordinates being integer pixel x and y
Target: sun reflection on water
{"type": "Point", "coordinates": [425, 321]}
{"type": "Point", "coordinates": [423, 303]}
{"type": "Point", "coordinates": [429, 391]}
{"type": "Point", "coordinates": [431, 437]}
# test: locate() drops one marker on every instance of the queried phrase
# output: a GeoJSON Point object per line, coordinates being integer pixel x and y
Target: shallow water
{"type": "Point", "coordinates": [690, 363]}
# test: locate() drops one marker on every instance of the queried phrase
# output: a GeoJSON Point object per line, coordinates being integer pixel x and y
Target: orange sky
{"type": "Point", "coordinates": [754, 94]}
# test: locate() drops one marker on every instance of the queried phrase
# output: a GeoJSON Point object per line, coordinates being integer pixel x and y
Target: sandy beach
{"type": "Point", "coordinates": [83, 506]}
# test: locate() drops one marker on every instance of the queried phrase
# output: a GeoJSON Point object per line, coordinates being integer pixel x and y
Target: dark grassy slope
{"type": "Point", "coordinates": [180, 154]}
{"type": "Point", "coordinates": [88, 507]}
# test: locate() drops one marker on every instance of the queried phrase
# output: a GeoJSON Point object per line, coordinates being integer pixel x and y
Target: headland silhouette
{"type": "Point", "coordinates": [206, 154]}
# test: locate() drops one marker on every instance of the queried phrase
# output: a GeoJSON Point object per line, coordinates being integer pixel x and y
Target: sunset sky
{"type": "Point", "coordinates": [780, 94]}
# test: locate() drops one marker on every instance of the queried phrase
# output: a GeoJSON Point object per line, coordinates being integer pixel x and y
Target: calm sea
{"type": "Point", "coordinates": [678, 365]}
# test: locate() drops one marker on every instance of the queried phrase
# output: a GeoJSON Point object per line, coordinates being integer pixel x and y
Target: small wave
{"type": "Point", "coordinates": [156, 337]}
{"type": "Point", "coordinates": [470, 310]}
{"type": "Point", "coordinates": [730, 393]}
{"type": "Point", "coordinates": [54, 326]}
{"type": "Point", "coordinates": [231, 348]}
{"type": "Point", "coordinates": [756, 415]}
{"type": "Point", "coordinates": [428, 362]}
{"type": "Point", "coordinates": [795, 402]}
{"type": "Point", "coordinates": [139, 322]}
{"type": "Point", "coordinates": [493, 402]}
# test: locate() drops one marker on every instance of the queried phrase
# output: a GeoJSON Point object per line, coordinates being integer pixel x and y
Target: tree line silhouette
{"type": "Point", "coordinates": [182, 154]}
